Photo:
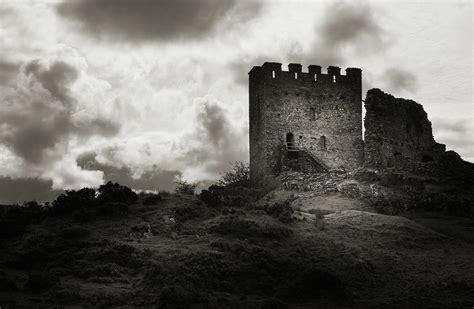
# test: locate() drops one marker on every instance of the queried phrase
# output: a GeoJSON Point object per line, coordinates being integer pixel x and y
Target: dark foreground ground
{"type": "Point", "coordinates": [330, 247]}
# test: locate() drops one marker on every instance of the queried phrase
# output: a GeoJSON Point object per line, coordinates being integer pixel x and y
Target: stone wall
{"type": "Point", "coordinates": [397, 130]}
{"type": "Point", "coordinates": [322, 111]}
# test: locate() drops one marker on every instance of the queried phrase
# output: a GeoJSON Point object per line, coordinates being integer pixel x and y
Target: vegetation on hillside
{"type": "Point", "coordinates": [236, 245]}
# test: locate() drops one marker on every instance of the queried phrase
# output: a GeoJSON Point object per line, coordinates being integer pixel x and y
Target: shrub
{"type": "Point", "coordinates": [184, 187]}
{"type": "Point", "coordinates": [176, 295]}
{"type": "Point", "coordinates": [15, 219]}
{"type": "Point", "coordinates": [111, 208]}
{"type": "Point", "coordinates": [33, 205]}
{"type": "Point", "coordinates": [73, 233]}
{"type": "Point", "coordinates": [188, 212]}
{"type": "Point", "coordinates": [281, 211]}
{"type": "Point", "coordinates": [235, 196]}
{"type": "Point", "coordinates": [83, 215]}
{"type": "Point", "coordinates": [152, 199]}
{"type": "Point", "coordinates": [273, 303]}
{"type": "Point", "coordinates": [212, 196]}
{"type": "Point", "coordinates": [245, 228]}
{"type": "Point", "coordinates": [39, 281]}
{"type": "Point", "coordinates": [113, 192]}
{"type": "Point", "coordinates": [72, 200]}
{"type": "Point", "coordinates": [238, 176]}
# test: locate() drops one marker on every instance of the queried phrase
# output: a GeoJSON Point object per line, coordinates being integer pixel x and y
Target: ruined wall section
{"type": "Point", "coordinates": [322, 111]}
{"type": "Point", "coordinates": [397, 130]}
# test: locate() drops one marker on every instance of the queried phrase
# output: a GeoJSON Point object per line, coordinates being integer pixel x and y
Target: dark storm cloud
{"type": "Point", "coordinates": [149, 20]}
{"type": "Point", "coordinates": [39, 115]}
{"type": "Point", "coordinates": [152, 179]}
{"type": "Point", "coordinates": [217, 143]}
{"type": "Point", "coordinates": [18, 190]}
{"type": "Point", "coordinates": [398, 79]}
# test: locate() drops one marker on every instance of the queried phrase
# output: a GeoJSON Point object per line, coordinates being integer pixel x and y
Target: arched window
{"type": "Point", "coordinates": [312, 113]}
{"type": "Point", "coordinates": [322, 142]}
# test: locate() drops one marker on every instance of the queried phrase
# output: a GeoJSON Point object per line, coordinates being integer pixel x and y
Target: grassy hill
{"type": "Point", "coordinates": [349, 240]}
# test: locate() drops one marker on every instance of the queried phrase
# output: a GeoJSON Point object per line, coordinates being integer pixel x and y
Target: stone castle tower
{"type": "Point", "coordinates": [304, 120]}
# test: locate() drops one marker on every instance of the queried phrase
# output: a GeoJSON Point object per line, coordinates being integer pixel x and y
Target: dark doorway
{"type": "Point", "coordinates": [290, 141]}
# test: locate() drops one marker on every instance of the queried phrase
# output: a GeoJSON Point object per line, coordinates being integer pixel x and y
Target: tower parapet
{"type": "Point", "coordinates": [273, 70]}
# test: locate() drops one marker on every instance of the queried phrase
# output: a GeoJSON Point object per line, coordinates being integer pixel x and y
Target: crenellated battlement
{"type": "Point", "coordinates": [273, 71]}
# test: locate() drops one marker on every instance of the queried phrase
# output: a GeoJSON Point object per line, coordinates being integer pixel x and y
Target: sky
{"type": "Point", "coordinates": [148, 92]}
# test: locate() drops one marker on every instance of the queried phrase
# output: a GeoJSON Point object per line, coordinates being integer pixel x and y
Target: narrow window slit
{"type": "Point", "coordinates": [312, 112]}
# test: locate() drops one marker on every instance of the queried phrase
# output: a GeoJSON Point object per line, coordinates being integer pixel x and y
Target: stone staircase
{"type": "Point", "coordinates": [315, 159]}
{"type": "Point", "coordinates": [301, 159]}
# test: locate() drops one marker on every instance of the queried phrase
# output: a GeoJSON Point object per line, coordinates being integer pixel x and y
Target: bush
{"type": "Point", "coordinates": [281, 211]}
{"type": "Point", "coordinates": [176, 295]}
{"type": "Point", "coordinates": [73, 200]}
{"type": "Point", "coordinates": [234, 196]}
{"type": "Point", "coordinates": [15, 219]}
{"type": "Point", "coordinates": [152, 199]}
{"type": "Point", "coordinates": [238, 176]}
{"type": "Point", "coordinates": [187, 212]}
{"type": "Point", "coordinates": [212, 196]}
{"type": "Point", "coordinates": [109, 209]}
{"type": "Point", "coordinates": [73, 233]}
{"type": "Point", "coordinates": [40, 281]}
{"type": "Point", "coordinates": [113, 192]}
{"type": "Point", "coordinates": [184, 187]}
{"type": "Point", "coordinates": [273, 303]}
{"type": "Point", "coordinates": [112, 199]}
{"type": "Point", "coordinates": [245, 228]}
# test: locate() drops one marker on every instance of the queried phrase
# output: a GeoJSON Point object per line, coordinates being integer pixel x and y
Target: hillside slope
{"type": "Point", "coordinates": [289, 249]}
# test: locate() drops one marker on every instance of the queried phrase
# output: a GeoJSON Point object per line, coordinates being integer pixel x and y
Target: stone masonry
{"type": "Point", "coordinates": [312, 121]}
{"type": "Point", "coordinates": [396, 130]}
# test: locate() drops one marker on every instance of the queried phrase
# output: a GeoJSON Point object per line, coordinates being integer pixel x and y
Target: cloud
{"type": "Point", "coordinates": [38, 116]}
{"type": "Point", "coordinates": [154, 160]}
{"type": "Point", "coordinates": [152, 178]}
{"type": "Point", "coordinates": [398, 79]}
{"type": "Point", "coordinates": [17, 190]}
{"type": "Point", "coordinates": [456, 134]}
{"type": "Point", "coordinates": [346, 28]}
{"type": "Point", "coordinates": [56, 79]}
{"type": "Point", "coordinates": [214, 142]}
{"type": "Point", "coordinates": [150, 20]}
{"type": "Point", "coordinates": [242, 66]}
{"type": "Point", "coordinates": [8, 70]}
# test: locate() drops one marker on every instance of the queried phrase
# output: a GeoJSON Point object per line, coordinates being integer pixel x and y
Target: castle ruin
{"type": "Point", "coordinates": [312, 122]}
